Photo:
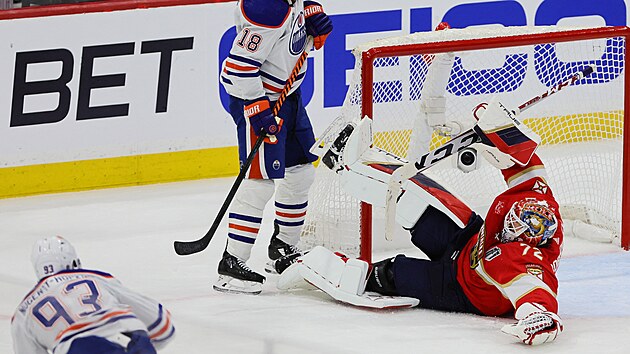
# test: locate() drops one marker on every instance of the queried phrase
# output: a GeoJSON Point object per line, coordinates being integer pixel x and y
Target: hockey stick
{"type": "Point", "coordinates": [467, 138]}
{"type": "Point", "coordinates": [184, 248]}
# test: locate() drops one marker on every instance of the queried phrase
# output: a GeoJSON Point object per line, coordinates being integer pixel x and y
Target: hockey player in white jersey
{"type": "Point", "coordinates": [271, 36]}
{"type": "Point", "coordinates": [73, 310]}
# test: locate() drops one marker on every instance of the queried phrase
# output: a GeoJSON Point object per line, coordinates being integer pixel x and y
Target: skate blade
{"type": "Point", "coordinates": [227, 284]}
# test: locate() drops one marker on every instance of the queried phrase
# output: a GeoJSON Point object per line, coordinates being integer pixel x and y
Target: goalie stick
{"type": "Point", "coordinates": [469, 137]}
{"type": "Point", "coordinates": [184, 248]}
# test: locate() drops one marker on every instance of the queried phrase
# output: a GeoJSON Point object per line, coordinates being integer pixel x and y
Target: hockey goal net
{"type": "Point", "coordinates": [421, 88]}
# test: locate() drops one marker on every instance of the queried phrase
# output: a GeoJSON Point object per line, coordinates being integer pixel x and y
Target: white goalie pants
{"type": "Point", "coordinates": [290, 204]}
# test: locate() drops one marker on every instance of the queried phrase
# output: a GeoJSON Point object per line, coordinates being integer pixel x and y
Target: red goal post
{"type": "Point", "coordinates": [391, 73]}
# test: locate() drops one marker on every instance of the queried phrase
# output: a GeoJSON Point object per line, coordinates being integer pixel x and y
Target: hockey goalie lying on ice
{"type": "Point", "coordinates": [499, 265]}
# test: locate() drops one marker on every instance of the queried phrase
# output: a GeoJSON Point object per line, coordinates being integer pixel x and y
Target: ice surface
{"type": "Point", "coordinates": [129, 232]}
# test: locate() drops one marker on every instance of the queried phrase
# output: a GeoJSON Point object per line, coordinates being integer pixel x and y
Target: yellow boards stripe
{"type": "Point", "coordinates": [552, 130]}
{"type": "Point", "coordinates": [118, 171]}
{"type": "Point", "coordinates": [223, 162]}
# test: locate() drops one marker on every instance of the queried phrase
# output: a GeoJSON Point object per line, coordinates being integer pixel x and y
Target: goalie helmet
{"type": "Point", "coordinates": [529, 221]}
{"type": "Point", "coordinates": [53, 254]}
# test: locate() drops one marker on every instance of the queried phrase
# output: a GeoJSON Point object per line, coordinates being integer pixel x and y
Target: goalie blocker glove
{"type": "Point", "coordinates": [537, 327]}
{"type": "Point", "coordinates": [318, 25]}
{"type": "Point", "coordinates": [332, 158]}
{"type": "Point", "coordinates": [261, 118]}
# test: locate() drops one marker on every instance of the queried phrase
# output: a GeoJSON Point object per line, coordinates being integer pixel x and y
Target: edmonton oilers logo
{"type": "Point", "coordinates": [298, 36]}
{"type": "Point", "coordinates": [276, 165]}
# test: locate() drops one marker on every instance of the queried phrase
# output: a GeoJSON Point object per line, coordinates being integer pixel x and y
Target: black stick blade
{"type": "Point", "coordinates": [183, 248]}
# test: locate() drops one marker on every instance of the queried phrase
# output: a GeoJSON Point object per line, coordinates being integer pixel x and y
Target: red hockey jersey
{"type": "Point", "coordinates": [498, 277]}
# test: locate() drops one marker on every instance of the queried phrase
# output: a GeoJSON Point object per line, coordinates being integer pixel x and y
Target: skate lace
{"type": "Point", "coordinates": [243, 265]}
{"type": "Point", "coordinates": [294, 249]}
{"type": "Point", "coordinates": [286, 249]}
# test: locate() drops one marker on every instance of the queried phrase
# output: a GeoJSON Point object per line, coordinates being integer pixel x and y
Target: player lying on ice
{"type": "Point", "coordinates": [499, 265]}
{"type": "Point", "coordinates": [72, 310]}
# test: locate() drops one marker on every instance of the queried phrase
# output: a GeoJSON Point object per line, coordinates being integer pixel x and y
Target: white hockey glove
{"type": "Point", "coordinates": [537, 327]}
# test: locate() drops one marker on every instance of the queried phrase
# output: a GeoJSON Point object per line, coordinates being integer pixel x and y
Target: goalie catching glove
{"type": "Point", "coordinates": [506, 139]}
{"type": "Point", "coordinates": [537, 327]}
{"type": "Point", "coordinates": [261, 118]}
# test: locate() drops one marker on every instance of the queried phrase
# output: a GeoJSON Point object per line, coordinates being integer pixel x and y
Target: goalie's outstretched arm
{"type": "Point", "coordinates": [518, 174]}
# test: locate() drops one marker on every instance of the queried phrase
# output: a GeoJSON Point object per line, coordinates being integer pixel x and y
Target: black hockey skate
{"type": "Point", "coordinates": [281, 254]}
{"type": "Point", "coordinates": [236, 277]}
{"type": "Point", "coordinates": [332, 157]}
{"type": "Point", "coordinates": [282, 263]}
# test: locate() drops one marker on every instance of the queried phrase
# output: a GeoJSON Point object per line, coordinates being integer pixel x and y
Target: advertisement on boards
{"type": "Point", "coordinates": [138, 81]}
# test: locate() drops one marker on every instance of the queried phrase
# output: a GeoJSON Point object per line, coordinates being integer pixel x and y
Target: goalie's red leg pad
{"type": "Point", "coordinates": [451, 202]}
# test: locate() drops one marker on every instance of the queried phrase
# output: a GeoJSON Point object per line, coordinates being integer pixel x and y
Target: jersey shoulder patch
{"type": "Point", "coordinates": [265, 13]}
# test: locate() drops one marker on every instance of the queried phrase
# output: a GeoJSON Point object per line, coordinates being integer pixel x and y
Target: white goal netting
{"type": "Point", "coordinates": [426, 86]}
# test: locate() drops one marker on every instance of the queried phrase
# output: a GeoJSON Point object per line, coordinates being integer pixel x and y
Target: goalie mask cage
{"type": "Point", "coordinates": [420, 87]}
